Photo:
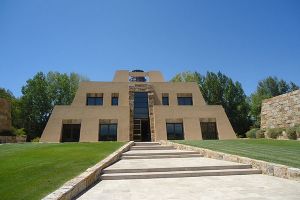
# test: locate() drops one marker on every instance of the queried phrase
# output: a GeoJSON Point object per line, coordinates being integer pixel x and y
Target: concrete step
{"type": "Point", "coordinates": [145, 143]}
{"type": "Point", "coordinates": [177, 174]}
{"type": "Point", "coordinates": [149, 153]}
{"type": "Point", "coordinates": [154, 147]}
{"type": "Point", "coordinates": [170, 169]}
{"type": "Point", "coordinates": [161, 156]}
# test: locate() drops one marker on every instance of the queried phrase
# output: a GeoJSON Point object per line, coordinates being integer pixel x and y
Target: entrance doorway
{"type": "Point", "coordinates": [141, 122]}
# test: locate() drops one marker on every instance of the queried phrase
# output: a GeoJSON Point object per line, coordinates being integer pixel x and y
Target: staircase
{"type": "Point", "coordinates": [147, 160]}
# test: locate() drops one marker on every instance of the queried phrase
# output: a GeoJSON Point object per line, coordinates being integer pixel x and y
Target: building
{"type": "Point", "coordinates": [137, 106]}
{"type": "Point", "coordinates": [5, 115]}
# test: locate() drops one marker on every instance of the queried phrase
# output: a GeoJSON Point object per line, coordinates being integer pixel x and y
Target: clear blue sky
{"type": "Point", "coordinates": [245, 39]}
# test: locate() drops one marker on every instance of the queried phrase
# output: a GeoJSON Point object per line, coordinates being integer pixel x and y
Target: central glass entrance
{"type": "Point", "coordinates": [141, 126]}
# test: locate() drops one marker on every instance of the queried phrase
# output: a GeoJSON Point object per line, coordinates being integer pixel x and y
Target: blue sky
{"type": "Point", "coordinates": [247, 40]}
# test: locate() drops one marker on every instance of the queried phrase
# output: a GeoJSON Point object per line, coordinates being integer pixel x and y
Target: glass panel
{"type": "Point", "coordinates": [108, 132]}
{"type": "Point", "coordinates": [165, 100]}
{"type": "Point", "coordinates": [209, 130]}
{"type": "Point", "coordinates": [114, 101]}
{"type": "Point", "coordinates": [70, 133]}
{"type": "Point", "coordinates": [94, 101]}
{"type": "Point", "coordinates": [185, 100]}
{"type": "Point", "coordinates": [175, 131]}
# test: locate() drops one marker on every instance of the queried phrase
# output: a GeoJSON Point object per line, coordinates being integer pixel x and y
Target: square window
{"type": "Point", "coordinates": [175, 131]}
{"type": "Point", "coordinates": [108, 132]}
{"type": "Point", "coordinates": [114, 101]}
{"type": "Point", "coordinates": [165, 100]}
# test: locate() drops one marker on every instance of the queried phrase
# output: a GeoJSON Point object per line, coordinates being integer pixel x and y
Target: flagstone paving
{"type": "Point", "coordinates": [179, 175]}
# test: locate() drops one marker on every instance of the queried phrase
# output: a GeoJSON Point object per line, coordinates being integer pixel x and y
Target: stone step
{"type": "Point", "coordinates": [149, 153]}
{"type": "Point", "coordinates": [178, 174]}
{"type": "Point", "coordinates": [145, 143]}
{"type": "Point", "coordinates": [161, 156]}
{"type": "Point", "coordinates": [169, 169]}
{"type": "Point", "coordinates": [154, 147]}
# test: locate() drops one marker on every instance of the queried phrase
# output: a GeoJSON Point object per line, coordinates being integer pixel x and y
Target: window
{"type": "Point", "coordinates": [93, 101]}
{"type": "Point", "coordinates": [165, 100]}
{"type": "Point", "coordinates": [70, 133]}
{"type": "Point", "coordinates": [175, 131]}
{"type": "Point", "coordinates": [209, 130]}
{"type": "Point", "coordinates": [114, 101]}
{"type": "Point", "coordinates": [108, 132]}
{"type": "Point", "coordinates": [185, 100]}
{"type": "Point", "coordinates": [141, 105]}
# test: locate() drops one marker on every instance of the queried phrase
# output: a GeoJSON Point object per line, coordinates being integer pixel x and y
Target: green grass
{"type": "Point", "coordinates": [31, 171]}
{"type": "Point", "coordinates": [284, 152]}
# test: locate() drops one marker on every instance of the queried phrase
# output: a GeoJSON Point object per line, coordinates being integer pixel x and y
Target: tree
{"type": "Point", "coordinates": [218, 89]}
{"type": "Point", "coordinates": [267, 88]}
{"type": "Point", "coordinates": [42, 93]}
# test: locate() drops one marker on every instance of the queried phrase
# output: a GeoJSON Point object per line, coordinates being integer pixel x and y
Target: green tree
{"type": "Point", "coordinates": [42, 93]}
{"type": "Point", "coordinates": [218, 89]}
{"type": "Point", "coordinates": [267, 88]}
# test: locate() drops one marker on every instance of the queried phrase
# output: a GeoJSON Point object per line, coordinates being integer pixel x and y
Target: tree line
{"type": "Point", "coordinates": [43, 91]}
{"type": "Point", "coordinates": [243, 111]}
{"type": "Point", "coordinates": [40, 94]}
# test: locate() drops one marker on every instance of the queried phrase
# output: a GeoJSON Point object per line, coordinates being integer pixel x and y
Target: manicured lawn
{"type": "Point", "coordinates": [284, 152]}
{"type": "Point", "coordinates": [31, 171]}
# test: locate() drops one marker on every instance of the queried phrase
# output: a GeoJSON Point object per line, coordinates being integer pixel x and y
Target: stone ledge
{"type": "Point", "coordinates": [75, 186]}
{"type": "Point", "coordinates": [267, 168]}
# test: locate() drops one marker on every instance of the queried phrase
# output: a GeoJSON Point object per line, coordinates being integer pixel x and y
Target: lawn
{"type": "Point", "coordinates": [31, 171]}
{"type": "Point", "coordinates": [284, 152]}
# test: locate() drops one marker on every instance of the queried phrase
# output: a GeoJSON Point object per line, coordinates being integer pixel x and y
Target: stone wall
{"type": "Point", "coordinates": [281, 111]}
{"type": "Point", "coordinates": [5, 115]}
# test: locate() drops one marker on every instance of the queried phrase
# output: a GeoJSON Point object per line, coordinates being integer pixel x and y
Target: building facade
{"type": "Point", "coordinates": [137, 106]}
{"type": "Point", "coordinates": [5, 115]}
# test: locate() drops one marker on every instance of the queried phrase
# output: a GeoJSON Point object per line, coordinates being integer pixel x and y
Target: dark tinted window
{"type": "Point", "coordinates": [209, 130]}
{"type": "Point", "coordinates": [70, 133]}
{"type": "Point", "coordinates": [108, 132]}
{"type": "Point", "coordinates": [141, 105]}
{"type": "Point", "coordinates": [114, 101]}
{"type": "Point", "coordinates": [185, 100]}
{"type": "Point", "coordinates": [165, 100]}
{"type": "Point", "coordinates": [175, 131]}
{"type": "Point", "coordinates": [94, 101]}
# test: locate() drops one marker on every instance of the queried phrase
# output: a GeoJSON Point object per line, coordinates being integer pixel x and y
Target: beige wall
{"type": "Point", "coordinates": [89, 116]}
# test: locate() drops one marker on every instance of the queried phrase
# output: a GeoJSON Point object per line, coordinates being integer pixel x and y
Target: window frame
{"type": "Point", "coordinates": [94, 101]}
{"type": "Point", "coordinates": [173, 135]}
{"type": "Point", "coordinates": [185, 101]}
{"type": "Point", "coordinates": [165, 100]}
{"type": "Point", "coordinates": [112, 101]}
{"type": "Point", "coordinates": [107, 136]}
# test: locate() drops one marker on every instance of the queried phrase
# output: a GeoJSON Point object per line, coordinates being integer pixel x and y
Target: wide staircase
{"type": "Point", "coordinates": [147, 160]}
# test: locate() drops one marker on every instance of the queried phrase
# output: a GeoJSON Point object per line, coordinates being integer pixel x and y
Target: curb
{"type": "Point", "coordinates": [268, 168]}
{"type": "Point", "coordinates": [75, 186]}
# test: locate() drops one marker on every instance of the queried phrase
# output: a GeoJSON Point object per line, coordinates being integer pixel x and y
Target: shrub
{"type": "Point", "coordinates": [37, 139]}
{"type": "Point", "coordinates": [259, 134]}
{"type": "Point", "coordinates": [20, 132]}
{"type": "Point", "coordinates": [291, 133]}
{"type": "Point", "coordinates": [297, 127]}
{"type": "Point", "coordinates": [252, 133]}
{"type": "Point", "coordinates": [274, 132]}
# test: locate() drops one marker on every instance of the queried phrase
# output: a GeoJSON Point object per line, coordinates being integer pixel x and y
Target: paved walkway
{"type": "Point", "coordinates": [150, 171]}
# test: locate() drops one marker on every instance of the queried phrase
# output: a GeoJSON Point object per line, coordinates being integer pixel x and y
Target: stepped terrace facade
{"type": "Point", "coordinates": [138, 106]}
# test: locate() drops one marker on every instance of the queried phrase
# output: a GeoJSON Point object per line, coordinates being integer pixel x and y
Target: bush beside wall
{"type": "Point", "coordinates": [252, 133]}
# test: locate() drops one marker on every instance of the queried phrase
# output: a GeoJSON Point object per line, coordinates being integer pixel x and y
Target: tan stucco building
{"type": "Point", "coordinates": [137, 106]}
